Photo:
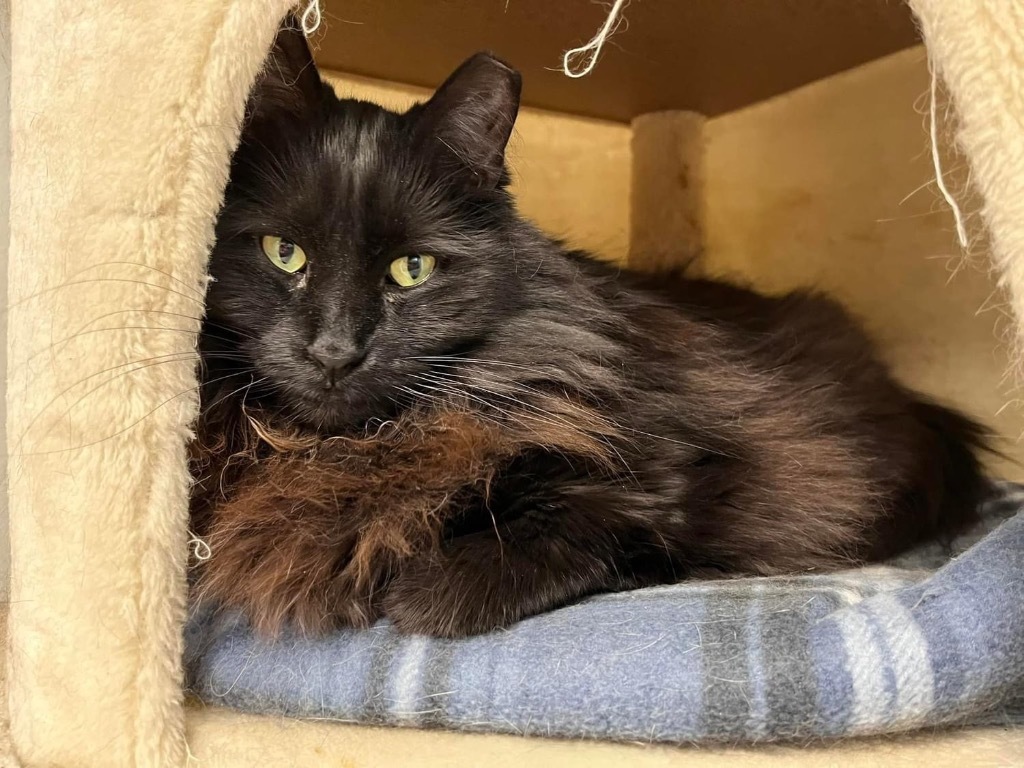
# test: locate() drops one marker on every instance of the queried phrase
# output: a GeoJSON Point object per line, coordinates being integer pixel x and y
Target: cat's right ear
{"type": "Point", "coordinates": [289, 83]}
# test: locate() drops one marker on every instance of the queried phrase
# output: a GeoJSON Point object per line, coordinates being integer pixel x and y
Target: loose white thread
{"type": "Point", "coordinates": [961, 229]}
{"type": "Point", "coordinates": [311, 17]}
{"type": "Point", "coordinates": [200, 549]}
{"type": "Point", "coordinates": [593, 49]}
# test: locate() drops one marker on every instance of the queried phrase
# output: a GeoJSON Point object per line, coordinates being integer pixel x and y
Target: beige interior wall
{"type": "Point", "coordinates": [570, 174]}
{"type": "Point", "coordinates": [833, 185]}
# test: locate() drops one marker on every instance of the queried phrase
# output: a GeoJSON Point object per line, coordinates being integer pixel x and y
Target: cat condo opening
{"type": "Point", "coordinates": [783, 145]}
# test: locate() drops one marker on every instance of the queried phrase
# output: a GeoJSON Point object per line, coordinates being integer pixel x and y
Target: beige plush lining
{"type": "Point", "coordinates": [124, 117]}
{"type": "Point", "coordinates": [977, 48]}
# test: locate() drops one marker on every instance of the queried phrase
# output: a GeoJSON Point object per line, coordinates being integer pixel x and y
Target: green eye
{"type": "Point", "coordinates": [410, 271]}
{"type": "Point", "coordinates": [283, 254]}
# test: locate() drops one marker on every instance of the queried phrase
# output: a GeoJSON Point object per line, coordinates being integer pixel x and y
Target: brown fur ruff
{"type": "Point", "coordinates": [306, 530]}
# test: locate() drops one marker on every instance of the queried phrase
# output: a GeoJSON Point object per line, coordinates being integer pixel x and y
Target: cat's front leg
{"type": "Point", "coordinates": [491, 578]}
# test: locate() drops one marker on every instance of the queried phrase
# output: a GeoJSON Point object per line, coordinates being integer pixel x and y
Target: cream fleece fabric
{"type": "Point", "coordinates": [124, 116]}
{"type": "Point", "coordinates": [977, 48]}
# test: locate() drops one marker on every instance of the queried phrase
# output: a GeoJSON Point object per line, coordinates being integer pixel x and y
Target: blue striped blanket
{"type": "Point", "coordinates": [925, 640]}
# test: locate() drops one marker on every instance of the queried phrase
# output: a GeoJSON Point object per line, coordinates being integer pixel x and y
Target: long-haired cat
{"type": "Point", "coordinates": [418, 406]}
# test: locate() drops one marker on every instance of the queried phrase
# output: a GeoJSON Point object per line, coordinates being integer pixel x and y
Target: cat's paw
{"type": "Point", "coordinates": [350, 606]}
{"type": "Point", "coordinates": [434, 597]}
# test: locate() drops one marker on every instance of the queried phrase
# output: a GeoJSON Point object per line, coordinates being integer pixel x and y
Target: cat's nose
{"type": "Point", "coordinates": [336, 358]}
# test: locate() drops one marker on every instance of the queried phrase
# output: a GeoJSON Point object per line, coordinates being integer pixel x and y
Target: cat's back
{"type": "Point", "coordinates": [801, 313]}
{"type": "Point", "coordinates": [827, 455]}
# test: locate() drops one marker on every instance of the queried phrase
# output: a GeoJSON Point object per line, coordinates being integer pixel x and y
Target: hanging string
{"type": "Point", "coordinates": [592, 50]}
{"type": "Point", "coordinates": [311, 17]}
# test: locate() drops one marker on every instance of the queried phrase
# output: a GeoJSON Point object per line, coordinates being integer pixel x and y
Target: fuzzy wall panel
{"type": "Point", "coordinates": [125, 113]}
{"type": "Point", "coordinates": [977, 48]}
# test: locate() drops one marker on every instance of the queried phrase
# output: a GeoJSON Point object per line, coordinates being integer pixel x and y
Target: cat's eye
{"type": "Point", "coordinates": [283, 254]}
{"type": "Point", "coordinates": [410, 271]}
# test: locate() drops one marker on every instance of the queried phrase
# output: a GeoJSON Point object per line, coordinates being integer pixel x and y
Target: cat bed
{"type": "Point", "coordinates": [924, 641]}
{"type": "Point", "coordinates": [124, 116]}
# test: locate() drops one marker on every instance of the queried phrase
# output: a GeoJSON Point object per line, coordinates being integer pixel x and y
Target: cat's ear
{"type": "Point", "coordinates": [469, 120]}
{"type": "Point", "coordinates": [289, 83]}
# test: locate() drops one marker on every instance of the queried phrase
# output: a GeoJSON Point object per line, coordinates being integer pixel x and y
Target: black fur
{"type": "Point", "coordinates": [751, 435]}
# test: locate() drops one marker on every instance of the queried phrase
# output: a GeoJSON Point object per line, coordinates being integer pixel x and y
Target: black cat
{"type": "Point", "coordinates": [372, 278]}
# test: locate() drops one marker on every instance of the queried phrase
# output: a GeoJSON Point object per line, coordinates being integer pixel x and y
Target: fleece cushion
{"type": "Point", "coordinates": [934, 637]}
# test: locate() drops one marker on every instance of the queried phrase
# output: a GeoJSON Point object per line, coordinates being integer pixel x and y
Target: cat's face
{"type": "Point", "coordinates": [355, 242]}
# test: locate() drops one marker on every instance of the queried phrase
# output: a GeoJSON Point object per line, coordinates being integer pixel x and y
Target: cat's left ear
{"type": "Point", "coordinates": [289, 83]}
{"type": "Point", "coordinates": [469, 120]}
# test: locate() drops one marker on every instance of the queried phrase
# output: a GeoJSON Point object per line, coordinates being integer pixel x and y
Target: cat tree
{"type": "Point", "coordinates": [120, 148]}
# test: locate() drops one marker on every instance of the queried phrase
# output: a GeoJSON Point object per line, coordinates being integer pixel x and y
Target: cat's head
{"type": "Point", "coordinates": [355, 242]}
